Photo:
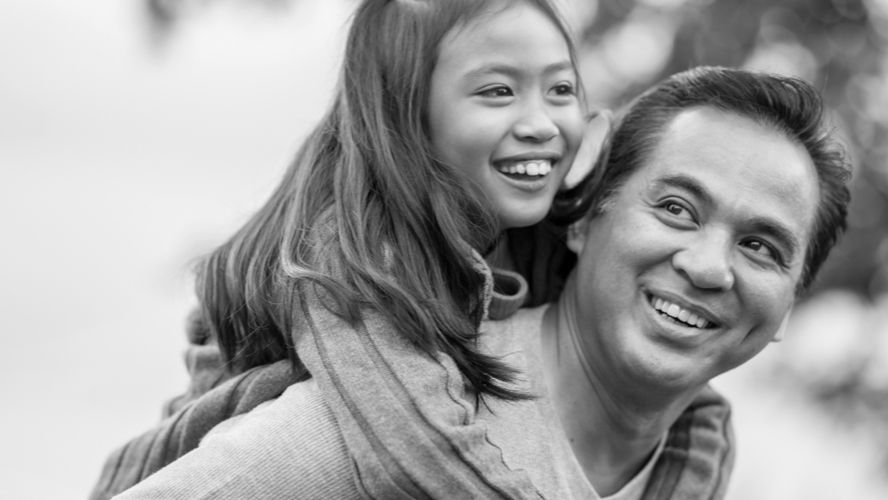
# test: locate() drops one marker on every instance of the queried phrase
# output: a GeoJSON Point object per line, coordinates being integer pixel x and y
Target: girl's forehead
{"type": "Point", "coordinates": [503, 23]}
{"type": "Point", "coordinates": [499, 12]}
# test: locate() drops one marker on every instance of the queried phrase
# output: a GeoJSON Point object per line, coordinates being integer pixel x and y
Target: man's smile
{"type": "Point", "coordinates": [679, 314]}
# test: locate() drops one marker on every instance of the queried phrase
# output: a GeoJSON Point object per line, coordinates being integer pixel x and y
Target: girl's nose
{"type": "Point", "coordinates": [535, 124]}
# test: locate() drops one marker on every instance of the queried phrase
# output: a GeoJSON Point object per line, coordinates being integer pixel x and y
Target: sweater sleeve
{"type": "Point", "coordinates": [286, 448]}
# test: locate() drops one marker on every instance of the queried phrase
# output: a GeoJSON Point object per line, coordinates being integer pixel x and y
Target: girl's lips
{"type": "Point", "coordinates": [529, 172]}
{"type": "Point", "coordinates": [524, 182]}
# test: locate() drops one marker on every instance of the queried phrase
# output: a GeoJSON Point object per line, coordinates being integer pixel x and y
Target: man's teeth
{"type": "Point", "coordinates": [532, 168]}
{"type": "Point", "coordinates": [675, 311]}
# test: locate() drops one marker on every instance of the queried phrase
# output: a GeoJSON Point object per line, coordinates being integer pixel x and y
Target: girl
{"type": "Point", "coordinates": [453, 121]}
{"type": "Point", "coordinates": [439, 137]}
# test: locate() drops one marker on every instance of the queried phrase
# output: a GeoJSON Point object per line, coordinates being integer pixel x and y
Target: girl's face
{"type": "Point", "coordinates": [503, 108]}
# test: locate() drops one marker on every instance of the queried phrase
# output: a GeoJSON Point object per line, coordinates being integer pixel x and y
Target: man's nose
{"type": "Point", "coordinates": [706, 261]}
{"type": "Point", "coordinates": [535, 123]}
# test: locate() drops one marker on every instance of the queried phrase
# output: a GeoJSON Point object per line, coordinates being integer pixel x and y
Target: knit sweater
{"type": "Point", "coordinates": [407, 421]}
{"type": "Point", "coordinates": [693, 462]}
{"type": "Point", "coordinates": [359, 368]}
{"type": "Point", "coordinates": [289, 447]}
{"type": "Point", "coordinates": [292, 447]}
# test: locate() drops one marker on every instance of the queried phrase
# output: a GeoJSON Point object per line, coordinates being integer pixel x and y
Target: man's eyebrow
{"type": "Point", "coordinates": [515, 71]}
{"type": "Point", "coordinates": [758, 224]}
{"type": "Point", "coordinates": [687, 183]}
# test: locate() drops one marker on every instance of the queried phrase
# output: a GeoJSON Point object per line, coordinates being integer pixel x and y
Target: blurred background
{"type": "Point", "coordinates": [136, 135]}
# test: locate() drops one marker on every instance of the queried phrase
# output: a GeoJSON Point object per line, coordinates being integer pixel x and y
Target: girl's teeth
{"type": "Point", "coordinates": [531, 168]}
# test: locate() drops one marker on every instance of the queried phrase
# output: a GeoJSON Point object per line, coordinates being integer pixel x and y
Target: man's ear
{"type": "Point", "coordinates": [781, 332]}
{"type": "Point", "coordinates": [576, 234]}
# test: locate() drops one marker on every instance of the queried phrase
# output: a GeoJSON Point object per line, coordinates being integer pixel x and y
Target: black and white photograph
{"type": "Point", "coordinates": [444, 249]}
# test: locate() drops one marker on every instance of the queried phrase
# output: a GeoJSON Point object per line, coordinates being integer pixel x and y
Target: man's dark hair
{"type": "Point", "coordinates": [788, 105]}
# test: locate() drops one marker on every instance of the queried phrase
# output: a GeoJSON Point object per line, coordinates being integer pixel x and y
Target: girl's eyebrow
{"type": "Point", "coordinates": [515, 70]}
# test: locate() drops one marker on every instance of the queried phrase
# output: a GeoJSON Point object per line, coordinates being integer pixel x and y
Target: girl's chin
{"type": "Point", "coordinates": [520, 220]}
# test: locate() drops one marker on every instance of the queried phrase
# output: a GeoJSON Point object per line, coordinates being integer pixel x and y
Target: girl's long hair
{"type": "Point", "coordinates": [365, 215]}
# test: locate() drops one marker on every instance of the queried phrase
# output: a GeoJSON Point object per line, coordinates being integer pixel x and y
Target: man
{"type": "Point", "coordinates": [720, 198]}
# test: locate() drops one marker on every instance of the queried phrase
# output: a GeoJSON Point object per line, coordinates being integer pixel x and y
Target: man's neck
{"type": "Point", "coordinates": [613, 429]}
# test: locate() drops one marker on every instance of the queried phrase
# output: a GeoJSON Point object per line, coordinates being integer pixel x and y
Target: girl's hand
{"type": "Point", "coordinates": [597, 130]}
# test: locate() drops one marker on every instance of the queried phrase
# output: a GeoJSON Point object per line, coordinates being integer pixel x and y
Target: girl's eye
{"type": "Point", "coordinates": [498, 91]}
{"type": "Point", "coordinates": [564, 89]}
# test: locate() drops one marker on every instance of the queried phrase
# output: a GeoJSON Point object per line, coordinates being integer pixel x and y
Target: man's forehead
{"type": "Point", "coordinates": [716, 138]}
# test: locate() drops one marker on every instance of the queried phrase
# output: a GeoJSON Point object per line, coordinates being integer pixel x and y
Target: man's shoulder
{"type": "Point", "coordinates": [698, 455]}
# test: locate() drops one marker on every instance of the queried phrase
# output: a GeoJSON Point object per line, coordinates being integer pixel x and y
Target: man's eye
{"type": "Point", "coordinates": [763, 249]}
{"type": "Point", "coordinates": [676, 209]}
{"type": "Point", "coordinates": [677, 213]}
{"type": "Point", "coordinates": [756, 246]}
{"type": "Point", "coordinates": [500, 91]}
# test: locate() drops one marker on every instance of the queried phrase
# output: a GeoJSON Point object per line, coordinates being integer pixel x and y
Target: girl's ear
{"type": "Point", "coordinates": [781, 331]}
{"type": "Point", "coordinates": [576, 235]}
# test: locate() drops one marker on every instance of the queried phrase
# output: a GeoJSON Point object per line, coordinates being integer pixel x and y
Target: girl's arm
{"type": "Point", "coordinates": [289, 447]}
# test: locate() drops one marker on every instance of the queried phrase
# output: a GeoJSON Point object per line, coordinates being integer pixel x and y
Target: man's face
{"type": "Point", "coordinates": [693, 264]}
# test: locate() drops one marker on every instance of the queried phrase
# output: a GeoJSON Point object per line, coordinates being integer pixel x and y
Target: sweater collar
{"type": "Point", "coordinates": [504, 291]}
